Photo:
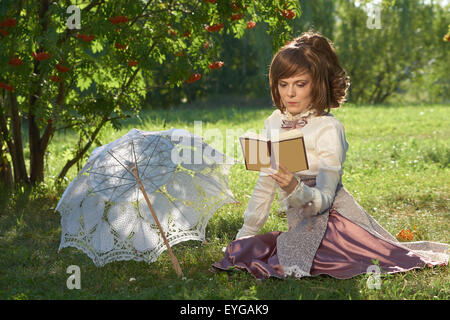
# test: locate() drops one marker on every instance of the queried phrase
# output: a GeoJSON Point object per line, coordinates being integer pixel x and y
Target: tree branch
{"type": "Point", "coordinates": [82, 151]}
{"type": "Point", "coordinates": [105, 119]}
{"type": "Point", "coordinates": [93, 5]}
{"type": "Point", "coordinates": [15, 143]}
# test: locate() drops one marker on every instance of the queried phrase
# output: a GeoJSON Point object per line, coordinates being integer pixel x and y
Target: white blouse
{"type": "Point", "coordinates": [326, 147]}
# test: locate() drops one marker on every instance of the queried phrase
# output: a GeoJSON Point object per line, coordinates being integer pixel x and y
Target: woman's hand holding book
{"type": "Point", "coordinates": [285, 179]}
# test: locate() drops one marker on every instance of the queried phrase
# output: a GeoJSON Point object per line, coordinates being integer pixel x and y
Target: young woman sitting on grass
{"type": "Point", "coordinates": [329, 232]}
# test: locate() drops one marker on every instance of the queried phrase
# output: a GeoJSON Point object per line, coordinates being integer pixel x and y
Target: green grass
{"type": "Point", "coordinates": [397, 168]}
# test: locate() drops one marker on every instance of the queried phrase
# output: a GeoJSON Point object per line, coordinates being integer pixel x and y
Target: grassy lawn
{"type": "Point", "coordinates": [397, 168]}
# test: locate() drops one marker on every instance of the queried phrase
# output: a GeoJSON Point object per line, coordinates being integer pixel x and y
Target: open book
{"type": "Point", "coordinates": [287, 148]}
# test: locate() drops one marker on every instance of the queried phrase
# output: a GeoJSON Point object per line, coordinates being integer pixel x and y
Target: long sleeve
{"type": "Point", "coordinates": [331, 147]}
{"type": "Point", "coordinates": [258, 208]}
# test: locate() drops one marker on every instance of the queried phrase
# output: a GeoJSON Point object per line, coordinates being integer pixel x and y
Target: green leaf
{"type": "Point", "coordinates": [96, 46]}
{"type": "Point", "coordinates": [83, 83]}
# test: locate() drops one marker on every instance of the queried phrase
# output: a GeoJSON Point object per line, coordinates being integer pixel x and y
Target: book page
{"type": "Point", "coordinates": [290, 152]}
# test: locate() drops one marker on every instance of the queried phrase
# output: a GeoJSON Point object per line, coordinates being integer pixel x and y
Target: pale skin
{"type": "Point", "coordinates": [295, 93]}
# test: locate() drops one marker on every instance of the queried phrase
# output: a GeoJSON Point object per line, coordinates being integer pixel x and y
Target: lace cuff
{"type": "Point", "coordinates": [246, 231]}
{"type": "Point", "coordinates": [303, 196]}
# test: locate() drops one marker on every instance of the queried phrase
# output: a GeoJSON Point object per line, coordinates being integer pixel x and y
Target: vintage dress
{"type": "Point", "coordinates": [343, 239]}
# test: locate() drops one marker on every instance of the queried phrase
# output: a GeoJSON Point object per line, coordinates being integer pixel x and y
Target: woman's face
{"type": "Point", "coordinates": [295, 92]}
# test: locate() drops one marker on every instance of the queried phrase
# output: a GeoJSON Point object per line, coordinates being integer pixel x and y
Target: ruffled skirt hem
{"type": "Point", "coordinates": [346, 250]}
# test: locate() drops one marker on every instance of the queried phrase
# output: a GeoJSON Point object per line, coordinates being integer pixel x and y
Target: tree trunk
{"type": "Point", "coordinates": [36, 156]}
{"type": "Point", "coordinates": [5, 167]}
{"type": "Point", "coordinates": [12, 136]}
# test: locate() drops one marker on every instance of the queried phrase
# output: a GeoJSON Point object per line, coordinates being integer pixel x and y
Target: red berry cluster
{"type": "Point", "coordinates": [236, 16]}
{"type": "Point", "coordinates": [118, 19]}
{"type": "Point", "coordinates": [15, 62]}
{"type": "Point", "coordinates": [7, 23]}
{"type": "Point", "coordinates": [214, 28]}
{"type": "Point", "coordinates": [251, 24]}
{"type": "Point", "coordinates": [62, 68]}
{"type": "Point", "coordinates": [41, 56]}
{"type": "Point", "coordinates": [85, 37]}
{"type": "Point", "coordinates": [215, 65]}
{"type": "Point", "coordinates": [6, 86]}
{"type": "Point", "coordinates": [194, 77]}
{"type": "Point", "coordinates": [288, 14]}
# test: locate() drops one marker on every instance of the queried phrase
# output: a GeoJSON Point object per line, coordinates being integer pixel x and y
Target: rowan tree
{"type": "Point", "coordinates": [57, 77]}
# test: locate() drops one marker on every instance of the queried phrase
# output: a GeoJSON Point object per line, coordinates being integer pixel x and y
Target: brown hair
{"type": "Point", "coordinates": [314, 54]}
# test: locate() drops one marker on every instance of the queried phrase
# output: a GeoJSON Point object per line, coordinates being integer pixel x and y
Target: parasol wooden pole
{"type": "Point", "coordinates": [176, 264]}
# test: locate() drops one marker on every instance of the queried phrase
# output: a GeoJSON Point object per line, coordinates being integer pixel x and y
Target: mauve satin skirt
{"type": "Point", "coordinates": [346, 250]}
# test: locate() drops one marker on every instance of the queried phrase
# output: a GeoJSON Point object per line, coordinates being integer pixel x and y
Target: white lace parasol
{"type": "Point", "coordinates": [103, 211]}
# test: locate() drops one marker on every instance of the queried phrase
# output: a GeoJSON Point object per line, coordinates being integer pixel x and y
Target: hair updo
{"type": "Point", "coordinates": [314, 54]}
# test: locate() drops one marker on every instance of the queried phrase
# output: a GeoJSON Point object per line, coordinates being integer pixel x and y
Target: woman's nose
{"type": "Point", "coordinates": [291, 91]}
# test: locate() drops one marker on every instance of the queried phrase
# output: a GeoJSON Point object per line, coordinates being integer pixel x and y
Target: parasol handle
{"type": "Point", "coordinates": [176, 264]}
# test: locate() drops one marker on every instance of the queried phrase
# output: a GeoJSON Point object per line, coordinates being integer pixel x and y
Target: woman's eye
{"type": "Point", "coordinates": [283, 85]}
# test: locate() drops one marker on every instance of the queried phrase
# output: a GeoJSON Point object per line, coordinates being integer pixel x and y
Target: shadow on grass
{"type": "Point", "coordinates": [238, 110]}
{"type": "Point", "coordinates": [32, 267]}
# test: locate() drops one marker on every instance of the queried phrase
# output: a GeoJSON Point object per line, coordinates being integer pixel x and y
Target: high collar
{"type": "Point", "coordinates": [289, 116]}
